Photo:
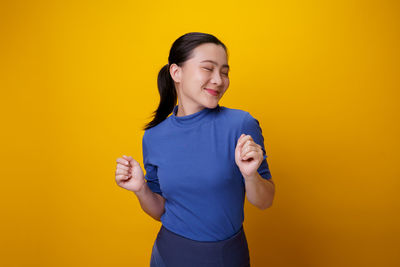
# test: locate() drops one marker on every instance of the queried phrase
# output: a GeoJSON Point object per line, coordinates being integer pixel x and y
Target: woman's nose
{"type": "Point", "coordinates": [216, 78]}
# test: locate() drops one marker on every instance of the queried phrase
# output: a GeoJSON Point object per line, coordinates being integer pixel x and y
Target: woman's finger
{"type": "Point", "coordinates": [120, 166]}
{"type": "Point", "coordinates": [120, 171]}
{"type": "Point", "coordinates": [243, 139]}
{"type": "Point", "coordinates": [250, 154]}
{"type": "Point", "coordinates": [247, 146]}
{"type": "Point", "coordinates": [247, 150]}
{"type": "Point", "coordinates": [123, 161]}
{"type": "Point", "coordinates": [121, 177]}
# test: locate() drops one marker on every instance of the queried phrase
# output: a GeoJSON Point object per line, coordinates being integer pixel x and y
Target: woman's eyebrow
{"type": "Point", "coordinates": [215, 63]}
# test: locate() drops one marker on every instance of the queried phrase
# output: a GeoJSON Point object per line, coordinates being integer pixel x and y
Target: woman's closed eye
{"type": "Point", "coordinates": [226, 74]}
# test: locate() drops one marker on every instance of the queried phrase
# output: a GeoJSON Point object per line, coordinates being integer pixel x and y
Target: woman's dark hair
{"type": "Point", "coordinates": [181, 50]}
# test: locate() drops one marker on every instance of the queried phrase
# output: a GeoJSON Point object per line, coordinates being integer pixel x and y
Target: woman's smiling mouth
{"type": "Point", "coordinates": [212, 92]}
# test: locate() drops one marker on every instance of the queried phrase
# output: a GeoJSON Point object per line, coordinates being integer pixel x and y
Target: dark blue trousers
{"type": "Point", "coordinates": [173, 250]}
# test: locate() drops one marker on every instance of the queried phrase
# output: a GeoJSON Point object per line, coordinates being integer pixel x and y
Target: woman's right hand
{"type": "Point", "coordinates": [129, 174]}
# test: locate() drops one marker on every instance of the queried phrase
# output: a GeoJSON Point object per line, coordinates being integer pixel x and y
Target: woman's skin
{"type": "Point", "coordinates": [207, 69]}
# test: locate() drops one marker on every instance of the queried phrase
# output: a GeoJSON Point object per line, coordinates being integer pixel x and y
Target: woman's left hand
{"type": "Point", "coordinates": [248, 155]}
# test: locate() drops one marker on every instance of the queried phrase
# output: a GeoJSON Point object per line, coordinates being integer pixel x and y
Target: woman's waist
{"type": "Point", "coordinates": [171, 236]}
{"type": "Point", "coordinates": [217, 224]}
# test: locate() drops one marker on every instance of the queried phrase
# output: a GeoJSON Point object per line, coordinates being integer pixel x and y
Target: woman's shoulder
{"type": "Point", "coordinates": [158, 130]}
{"type": "Point", "coordinates": [240, 118]}
{"type": "Point", "coordinates": [234, 114]}
{"type": "Point", "coordinates": [233, 111]}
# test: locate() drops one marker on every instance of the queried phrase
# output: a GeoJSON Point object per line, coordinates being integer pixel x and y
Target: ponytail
{"type": "Point", "coordinates": [168, 97]}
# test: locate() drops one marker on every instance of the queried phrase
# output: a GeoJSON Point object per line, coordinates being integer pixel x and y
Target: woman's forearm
{"type": "Point", "coordinates": [151, 203]}
{"type": "Point", "coordinates": [259, 191]}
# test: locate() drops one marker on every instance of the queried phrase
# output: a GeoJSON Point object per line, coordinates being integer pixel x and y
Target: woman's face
{"type": "Point", "coordinates": [203, 79]}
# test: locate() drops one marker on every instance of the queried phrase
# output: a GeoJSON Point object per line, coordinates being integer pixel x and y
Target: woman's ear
{"type": "Point", "coordinates": [175, 72]}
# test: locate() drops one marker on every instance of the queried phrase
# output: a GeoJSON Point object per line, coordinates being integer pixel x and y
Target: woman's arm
{"type": "Point", "coordinates": [151, 203]}
{"type": "Point", "coordinates": [250, 156]}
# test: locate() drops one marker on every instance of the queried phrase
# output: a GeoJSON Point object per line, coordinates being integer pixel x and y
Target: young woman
{"type": "Point", "coordinates": [200, 162]}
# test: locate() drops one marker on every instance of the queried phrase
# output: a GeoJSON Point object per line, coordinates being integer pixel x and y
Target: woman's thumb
{"type": "Point", "coordinates": [128, 158]}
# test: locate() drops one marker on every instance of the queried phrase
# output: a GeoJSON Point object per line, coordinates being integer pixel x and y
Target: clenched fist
{"type": "Point", "coordinates": [129, 174]}
{"type": "Point", "coordinates": [248, 155]}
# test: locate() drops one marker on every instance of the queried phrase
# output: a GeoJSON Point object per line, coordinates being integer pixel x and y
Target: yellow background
{"type": "Point", "coordinates": [78, 82]}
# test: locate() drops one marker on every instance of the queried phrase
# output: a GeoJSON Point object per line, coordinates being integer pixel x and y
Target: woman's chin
{"type": "Point", "coordinates": [211, 104]}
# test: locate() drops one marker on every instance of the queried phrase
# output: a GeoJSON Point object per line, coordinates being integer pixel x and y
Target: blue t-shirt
{"type": "Point", "coordinates": [190, 161]}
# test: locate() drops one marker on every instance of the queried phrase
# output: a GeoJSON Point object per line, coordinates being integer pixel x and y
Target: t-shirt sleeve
{"type": "Point", "coordinates": [251, 127]}
{"type": "Point", "coordinates": [151, 170]}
